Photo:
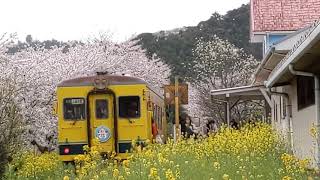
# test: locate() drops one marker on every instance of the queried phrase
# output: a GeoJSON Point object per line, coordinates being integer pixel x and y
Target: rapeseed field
{"type": "Point", "coordinates": [255, 151]}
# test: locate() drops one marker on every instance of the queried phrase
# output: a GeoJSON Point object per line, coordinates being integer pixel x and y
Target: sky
{"type": "Point", "coordinates": [81, 19]}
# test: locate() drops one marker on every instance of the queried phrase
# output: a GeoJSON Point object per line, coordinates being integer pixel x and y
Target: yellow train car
{"type": "Point", "coordinates": [113, 109]}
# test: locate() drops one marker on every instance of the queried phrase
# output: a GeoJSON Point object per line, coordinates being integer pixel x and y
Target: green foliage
{"type": "Point", "coordinates": [175, 47]}
{"type": "Point", "coordinates": [35, 44]}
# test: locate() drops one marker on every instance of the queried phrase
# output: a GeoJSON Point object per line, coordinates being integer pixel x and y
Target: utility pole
{"type": "Point", "coordinates": [176, 103]}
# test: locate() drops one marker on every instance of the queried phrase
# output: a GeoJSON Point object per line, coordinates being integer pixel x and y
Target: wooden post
{"type": "Point", "coordinates": [268, 112]}
{"type": "Point", "coordinates": [228, 113]}
{"type": "Point", "coordinates": [176, 103]}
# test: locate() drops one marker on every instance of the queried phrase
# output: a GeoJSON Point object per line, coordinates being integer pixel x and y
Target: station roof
{"type": "Point", "coordinates": [246, 92]}
{"type": "Point", "coordinates": [304, 56]}
{"type": "Point", "coordinates": [274, 55]}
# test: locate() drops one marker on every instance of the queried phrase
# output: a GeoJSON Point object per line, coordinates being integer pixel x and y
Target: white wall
{"type": "Point", "coordinates": [278, 118]}
{"type": "Point", "coordinates": [302, 120]}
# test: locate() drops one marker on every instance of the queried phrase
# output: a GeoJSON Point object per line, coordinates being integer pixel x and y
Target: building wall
{"type": "Point", "coordinates": [278, 117]}
{"type": "Point", "coordinates": [304, 145]}
{"type": "Point", "coordinates": [302, 121]}
{"type": "Point", "coordinates": [283, 15]}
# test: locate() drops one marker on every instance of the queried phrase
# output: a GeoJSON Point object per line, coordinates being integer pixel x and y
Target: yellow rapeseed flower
{"type": "Point", "coordinates": [216, 165]}
{"type": "Point", "coordinates": [313, 131]}
{"type": "Point", "coordinates": [115, 173]}
{"type": "Point", "coordinates": [126, 163]}
{"type": "Point", "coordinates": [154, 173]}
{"type": "Point", "coordinates": [286, 178]}
{"type": "Point", "coordinates": [225, 177]}
{"type": "Point", "coordinates": [170, 175]}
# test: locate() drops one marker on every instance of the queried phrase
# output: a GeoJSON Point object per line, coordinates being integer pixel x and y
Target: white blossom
{"type": "Point", "coordinates": [218, 64]}
{"type": "Point", "coordinates": [37, 73]}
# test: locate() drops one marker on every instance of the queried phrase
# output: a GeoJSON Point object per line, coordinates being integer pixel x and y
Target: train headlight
{"type": "Point", "coordinates": [66, 150]}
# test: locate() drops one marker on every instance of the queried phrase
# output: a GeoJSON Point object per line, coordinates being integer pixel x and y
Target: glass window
{"type": "Point", "coordinates": [74, 109]}
{"type": "Point", "coordinates": [305, 91]}
{"type": "Point", "coordinates": [154, 113]}
{"type": "Point", "coordinates": [101, 109]}
{"type": "Point", "coordinates": [129, 106]}
{"type": "Point", "coordinates": [160, 115]}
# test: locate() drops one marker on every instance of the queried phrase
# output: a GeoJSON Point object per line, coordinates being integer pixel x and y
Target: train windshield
{"type": "Point", "coordinates": [101, 109]}
{"type": "Point", "coordinates": [74, 109]}
{"type": "Point", "coordinates": [129, 106]}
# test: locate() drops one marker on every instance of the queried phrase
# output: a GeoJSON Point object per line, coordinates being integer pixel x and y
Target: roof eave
{"type": "Point", "coordinates": [295, 54]}
{"type": "Point", "coordinates": [235, 90]}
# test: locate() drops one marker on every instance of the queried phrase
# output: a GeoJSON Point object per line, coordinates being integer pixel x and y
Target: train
{"type": "Point", "coordinates": [112, 110]}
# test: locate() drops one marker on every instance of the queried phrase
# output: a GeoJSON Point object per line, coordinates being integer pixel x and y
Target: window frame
{"type": "Point", "coordinates": [284, 108]}
{"type": "Point", "coordinates": [85, 109]}
{"type": "Point", "coordinates": [107, 109]}
{"type": "Point", "coordinates": [305, 98]}
{"type": "Point", "coordinates": [137, 117]}
{"type": "Point", "coordinates": [275, 110]}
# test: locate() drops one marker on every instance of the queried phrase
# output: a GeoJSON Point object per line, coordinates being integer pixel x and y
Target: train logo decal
{"type": "Point", "coordinates": [103, 133]}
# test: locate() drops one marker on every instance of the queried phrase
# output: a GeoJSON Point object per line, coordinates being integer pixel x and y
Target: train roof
{"type": "Point", "coordinates": [112, 80]}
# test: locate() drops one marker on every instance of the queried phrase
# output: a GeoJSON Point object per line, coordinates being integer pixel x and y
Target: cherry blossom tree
{"type": "Point", "coordinates": [11, 121]}
{"type": "Point", "coordinates": [194, 107]}
{"type": "Point", "coordinates": [218, 64]}
{"type": "Point", "coordinates": [38, 71]}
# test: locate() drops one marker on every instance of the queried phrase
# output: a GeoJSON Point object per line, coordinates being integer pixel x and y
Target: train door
{"type": "Point", "coordinates": [102, 121]}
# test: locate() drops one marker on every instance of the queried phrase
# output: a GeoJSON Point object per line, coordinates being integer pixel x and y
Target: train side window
{"type": "Point", "coordinates": [154, 113]}
{"type": "Point", "coordinates": [74, 109]}
{"type": "Point", "coordinates": [160, 116]}
{"type": "Point", "coordinates": [129, 106]}
{"type": "Point", "coordinates": [101, 109]}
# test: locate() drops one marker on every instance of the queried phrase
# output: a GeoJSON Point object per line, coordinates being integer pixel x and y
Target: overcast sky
{"type": "Point", "coordinates": [79, 19]}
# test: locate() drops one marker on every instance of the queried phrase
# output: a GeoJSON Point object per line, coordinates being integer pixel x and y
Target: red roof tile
{"type": "Point", "coordinates": [283, 15]}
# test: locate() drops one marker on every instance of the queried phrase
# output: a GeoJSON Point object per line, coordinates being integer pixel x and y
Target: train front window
{"type": "Point", "coordinates": [74, 109]}
{"type": "Point", "coordinates": [101, 109]}
{"type": "Point", "coordinates": [129, 106]}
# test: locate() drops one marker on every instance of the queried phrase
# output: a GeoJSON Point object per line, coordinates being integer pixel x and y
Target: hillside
{"type": "Point", "coordinates": [175, 47]}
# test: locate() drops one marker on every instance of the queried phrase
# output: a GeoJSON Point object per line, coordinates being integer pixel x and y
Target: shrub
{"type": "Point", "coordinates": [3, 159]}
{"type": "Point", "coordinates": [11, 123]}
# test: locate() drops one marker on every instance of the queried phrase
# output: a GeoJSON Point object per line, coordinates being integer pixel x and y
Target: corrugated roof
{"type": "Point", "coordinates": [283, 15]}
{"type": "Point", "coordinates": [111, 79]}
